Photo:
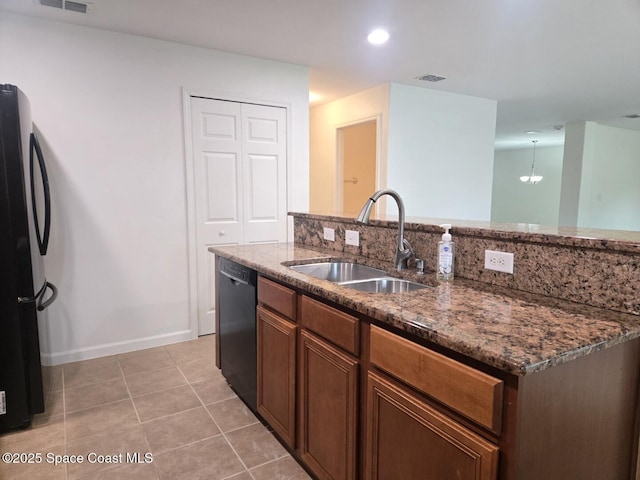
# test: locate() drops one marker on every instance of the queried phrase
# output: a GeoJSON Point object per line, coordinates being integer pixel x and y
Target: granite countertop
{"type": "Point", "coordinates": [517, 332]}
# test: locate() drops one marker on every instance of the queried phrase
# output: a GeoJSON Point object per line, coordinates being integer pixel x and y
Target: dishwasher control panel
{"type": "Point", "coordinates": [236, 271]}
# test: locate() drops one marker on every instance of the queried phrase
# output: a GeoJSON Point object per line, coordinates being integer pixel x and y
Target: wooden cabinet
{"type": "Point", "coordinates": [408, 439]}
{"type": "Point", "coordinates": [353, 400]}
{"type": "Point", "coordinates": [277, 358]}
{"type": "Point", "coordinates": [277, 373]}
{"type": "Point", "coordinates": [309, 377]}
{"type": "Point", "coordinates": [470, 392]}
{"type": "Point", "coordinates": [328, 396]}
{"type": "Point", "coordinates": [328, 408]}
{"type": "Point", "coordinates": [406, 436]}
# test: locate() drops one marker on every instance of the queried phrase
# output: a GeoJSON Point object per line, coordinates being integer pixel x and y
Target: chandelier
{"type": "Point", "coordinates": [532, 178]}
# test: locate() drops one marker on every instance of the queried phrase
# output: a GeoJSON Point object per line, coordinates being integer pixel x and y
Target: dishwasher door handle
{"type": "Point", "coordinates": [235, 280]}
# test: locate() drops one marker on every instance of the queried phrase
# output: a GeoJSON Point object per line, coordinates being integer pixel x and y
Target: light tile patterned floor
{"type": "Point", "coordinates": [171, 402]}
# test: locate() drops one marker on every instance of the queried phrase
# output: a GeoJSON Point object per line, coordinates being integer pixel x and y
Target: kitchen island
{"type": "Point", "coordinates": [524, 386]}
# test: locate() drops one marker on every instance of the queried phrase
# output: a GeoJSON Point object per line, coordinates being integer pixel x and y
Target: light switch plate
{"type": "Point", "coordinates": [352, 237]}
{"type": "Point", "coordinates": [329, 234]}
{"type": "Point", "coordinates": [498, 261]}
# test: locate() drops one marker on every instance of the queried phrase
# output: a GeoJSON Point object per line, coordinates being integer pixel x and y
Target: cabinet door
{"type": "Point", "coordinates": [276, 373]}
{"type": "Point", "coordinates": [328, 403]}
{"type": "Point", "coordinates": [408, 439]}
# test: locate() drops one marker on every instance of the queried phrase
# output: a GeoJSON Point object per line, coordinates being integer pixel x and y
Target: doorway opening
{"type": "Point", "coordinates": [357, 168]}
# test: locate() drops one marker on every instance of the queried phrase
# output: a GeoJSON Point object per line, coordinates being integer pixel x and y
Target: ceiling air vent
{"type": "Point", "coordinates": [51, 3]}
{"type": "Point", "coordinates": [430, 78]}
{"type": "Point", "coordinates": [76, 7]}
{"type": "Point", "coordinates": [633, 115]}
{"type": "Point", "coordinates": [79, 7]}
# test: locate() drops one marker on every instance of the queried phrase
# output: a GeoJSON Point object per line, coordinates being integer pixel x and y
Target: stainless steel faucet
{"type": "Point", "coordinates": [404, 251]}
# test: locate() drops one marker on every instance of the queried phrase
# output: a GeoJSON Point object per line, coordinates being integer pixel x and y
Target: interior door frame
{"type": "Point", "coordinates": [214, 94]}
{"type": "Point", "coordinates": [339, 186]}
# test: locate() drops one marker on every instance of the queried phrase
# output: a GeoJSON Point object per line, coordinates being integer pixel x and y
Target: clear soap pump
{"type": "Point", "coordinates": [445, 255]}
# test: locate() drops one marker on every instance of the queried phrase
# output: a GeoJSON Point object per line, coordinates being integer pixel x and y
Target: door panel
{"type": "Point", "coordinates": [217, 170]}
{"type": "Point", "coordinates": [264, 150]}
{"type": "Point", "coordinates": [239, 169]}
{"type": "Point", "coordinates": [263, 130]}
{"type": "Point", "coordinates": [263, 191]}
{"type": "Point", "coordinates": [221, 193]}
{"type": "Point", "coordinates": [220, 126]}
{"type": "Point", "coordinates": [359, 156]}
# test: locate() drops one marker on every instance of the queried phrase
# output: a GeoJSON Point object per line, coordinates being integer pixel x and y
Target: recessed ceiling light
{"type": "Point", "coordinates": [532, 132]}
{"type": "Point", "coordinates": [378, 37]}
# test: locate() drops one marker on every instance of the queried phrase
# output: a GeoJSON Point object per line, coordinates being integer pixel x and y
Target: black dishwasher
{"type": "Point", "coordinates": [237, 305]}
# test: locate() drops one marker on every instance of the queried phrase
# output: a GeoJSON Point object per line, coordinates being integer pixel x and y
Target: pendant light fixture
{"type": "Point", "coordinates": [533, 178]}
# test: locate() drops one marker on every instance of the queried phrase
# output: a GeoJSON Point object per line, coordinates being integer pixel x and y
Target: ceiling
{"type": "Point", "coordinates": [547, 62]}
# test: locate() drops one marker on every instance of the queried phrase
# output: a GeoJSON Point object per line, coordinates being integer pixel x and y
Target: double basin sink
{"type": "Point", "coordinates": [358, 277]}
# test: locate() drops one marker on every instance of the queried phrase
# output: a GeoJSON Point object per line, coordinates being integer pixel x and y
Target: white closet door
{"type": "Point", "coordinates": [265, 173]}
{"type": "Point", "coordinates": [217, 168]}
{"type": "Point", "coordinates": [239, 170]}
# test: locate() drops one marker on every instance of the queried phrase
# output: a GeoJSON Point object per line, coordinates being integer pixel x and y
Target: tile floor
{"type": "Point", "coordinates": [169, 402]}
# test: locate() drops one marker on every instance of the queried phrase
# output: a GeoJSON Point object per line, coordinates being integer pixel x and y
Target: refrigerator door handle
{"type": "Point", "coordinates": [39, 297]}
{"type": "Point", "coordinates": [54, 293]}
{"type": "Point", "coordinates": [43, 240]}
{"type": "Point", "coordinates": [36, 296]}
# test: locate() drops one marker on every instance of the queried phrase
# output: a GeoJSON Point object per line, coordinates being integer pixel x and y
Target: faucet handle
{"type": "Point", "coordinates": [407, 247]}
{"type": "Point", "coordinates": [402, 256]}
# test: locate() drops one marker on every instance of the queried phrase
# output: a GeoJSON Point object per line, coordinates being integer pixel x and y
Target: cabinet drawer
{"type": "Point", "coordinates": [338, 327]}
{"type": "Point", "coordinates": [470, 392]}
{"type": "Point", "coordinates": [277, 297]}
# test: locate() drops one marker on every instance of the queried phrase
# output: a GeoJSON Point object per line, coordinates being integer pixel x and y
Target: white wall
{"type": "Point", "coordinates": [574, 150]}
{"type": "Point", "coordinates": [610, 193]}
{"type": "Point", "coordinates": [323, 123]}
{"type": "Point", "coordinates": [516, 202]}
{"type": "Point", "coordinates": [108, 108]}
{"type": "Point", "coordinates": [600, 190]}
{"type": "Point", "coordinates": [440, 152]}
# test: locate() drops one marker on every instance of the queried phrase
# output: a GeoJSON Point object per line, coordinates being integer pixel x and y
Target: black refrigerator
{"type": "Point", "coordinates": [25, 293]}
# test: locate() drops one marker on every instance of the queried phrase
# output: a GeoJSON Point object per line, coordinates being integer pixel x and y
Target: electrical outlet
{"type": "Point", "coordinates": [498, 261]}
{"type": "Point", "coordinates": [352, 237]}
{"type": "Point", "coordinates": [329, 234]}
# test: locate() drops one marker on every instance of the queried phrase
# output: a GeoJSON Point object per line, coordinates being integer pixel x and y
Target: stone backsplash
{"type": "Point", "coordinates": [598, 268]}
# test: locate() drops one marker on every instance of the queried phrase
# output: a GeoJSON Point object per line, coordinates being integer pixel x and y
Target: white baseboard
{"type": "Point", "coordinates": [51, 359]}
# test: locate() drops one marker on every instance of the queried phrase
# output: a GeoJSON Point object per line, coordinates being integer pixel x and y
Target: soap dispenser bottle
{"type": "Point", "coordinates": [445, 255]}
